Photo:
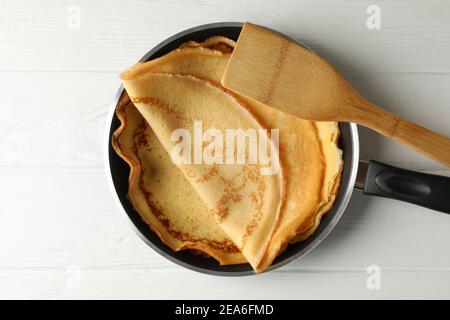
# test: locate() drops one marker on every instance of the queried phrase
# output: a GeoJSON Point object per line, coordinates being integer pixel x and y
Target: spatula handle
{"type": "Point", "coordinates": [427, 142]}
{"type": "Point", "coordinates": [423, 140]}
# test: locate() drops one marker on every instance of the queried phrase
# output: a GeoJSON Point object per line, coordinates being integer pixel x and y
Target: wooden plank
{"type": "Point", "coordinates": [111, 36]}
{"type": "Point", "coordinates": [59, 122]}
{"type": "Point", "coordinates": [54, 120]}
{"type": "Point", "coordinates": [67, 218]}
{"type": "Point", "coordinates": [52, 138]}
{"type": "Point", "coordinates": [161, 284]}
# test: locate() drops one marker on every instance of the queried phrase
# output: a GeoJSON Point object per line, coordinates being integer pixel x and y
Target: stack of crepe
{"type": "Point", "coordinates": [231, 212]}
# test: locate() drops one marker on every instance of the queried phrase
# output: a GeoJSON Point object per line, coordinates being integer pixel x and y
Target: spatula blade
{"type": "Point", "coordinates": [271, 69]}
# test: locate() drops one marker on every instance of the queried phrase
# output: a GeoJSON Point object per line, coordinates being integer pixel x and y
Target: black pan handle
{"type": "Point", "coordinates": [426, 190]}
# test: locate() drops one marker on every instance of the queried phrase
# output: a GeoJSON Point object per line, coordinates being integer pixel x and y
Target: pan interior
{"type": "Point", "coordinates": [119, 172]}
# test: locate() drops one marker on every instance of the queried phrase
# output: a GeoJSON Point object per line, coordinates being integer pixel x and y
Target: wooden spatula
{"type": "Point", "coordinates": [271, 69]}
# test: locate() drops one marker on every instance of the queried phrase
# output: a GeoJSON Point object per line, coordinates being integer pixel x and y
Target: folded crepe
{"type": "Point", "coordinates": [171, 87]}
{"type": "Point", "coordinates": [162, 196]}
{"type": "Point", "coordinates": [245, 203]}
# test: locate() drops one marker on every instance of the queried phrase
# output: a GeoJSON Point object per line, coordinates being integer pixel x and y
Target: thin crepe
{"type": "Point", "coordinates": [309, 155]}
{"type": "Point", "coordinates": [245, 203]}
{"type": "Point", "coordinates": [182, 222]}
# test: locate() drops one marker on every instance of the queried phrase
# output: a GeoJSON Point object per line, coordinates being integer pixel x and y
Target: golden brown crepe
{"type": "Point", "coordinates": [162, 196]}
{"type": "Point", "coordinates": [309, 156]}
{"type": "Point", "coordinates": [245, 202]}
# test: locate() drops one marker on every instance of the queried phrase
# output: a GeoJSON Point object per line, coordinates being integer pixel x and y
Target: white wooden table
{"type": "Point", "coordinates": [61, 233]}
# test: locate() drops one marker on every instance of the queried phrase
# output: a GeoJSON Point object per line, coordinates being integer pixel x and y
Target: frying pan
{"type": "Point", "coordinates": [371, 177]}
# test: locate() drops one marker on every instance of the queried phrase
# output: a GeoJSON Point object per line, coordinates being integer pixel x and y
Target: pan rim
{"type": "Point", "coordinates": [343, 199]}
